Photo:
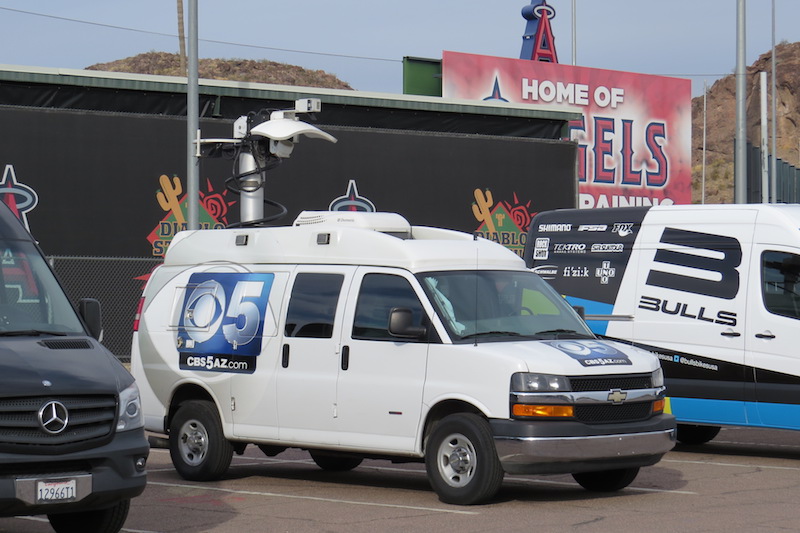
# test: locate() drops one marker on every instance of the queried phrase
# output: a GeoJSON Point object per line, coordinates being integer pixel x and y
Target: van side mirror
{"type": "Point", "coordinates": [581, 310]}
{"type": "Point", "coordinates": [401, 324]}
{"type": "Point", "coordinates": [92, 315]}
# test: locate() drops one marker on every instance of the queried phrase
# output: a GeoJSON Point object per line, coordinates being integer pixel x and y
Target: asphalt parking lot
{"type": "Point", "coordinates": [745, 479]}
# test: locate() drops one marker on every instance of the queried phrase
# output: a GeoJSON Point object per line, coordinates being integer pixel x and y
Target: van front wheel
{"type": "Point", "coordinates": [197, 445]}
{"type": "Point", "coordinates": [461, 460]}
{"type": "Point", "coordinates": [108, 520]}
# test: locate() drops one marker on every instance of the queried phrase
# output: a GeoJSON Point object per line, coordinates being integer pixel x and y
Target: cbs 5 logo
{"type": "Point", "coordinates": [223, 312]}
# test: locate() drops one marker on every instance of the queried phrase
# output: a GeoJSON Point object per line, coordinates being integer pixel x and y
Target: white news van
{"type": "Point", "coordinates": [712, 289]}
{"type": "Point", "coordinates": [355, 335]}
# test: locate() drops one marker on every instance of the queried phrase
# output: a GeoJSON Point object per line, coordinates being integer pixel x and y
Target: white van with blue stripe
{"type": "Point", "coordinates": [714, 290]}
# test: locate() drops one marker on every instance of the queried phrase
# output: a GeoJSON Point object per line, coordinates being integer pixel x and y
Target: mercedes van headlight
{"type": "Point", "coordinates": [130, 409]}
{"type": "Point", "coordinates": [529, 382]}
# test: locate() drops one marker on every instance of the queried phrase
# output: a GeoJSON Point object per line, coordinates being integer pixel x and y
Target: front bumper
{"type": "Point", "coordinates": [103, 475]}
{"type": "Point", "coordinates": [557, 447]}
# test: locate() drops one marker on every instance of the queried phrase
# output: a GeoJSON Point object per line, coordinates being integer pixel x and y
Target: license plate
{"type": "Point", "coordinates": [55, 491]}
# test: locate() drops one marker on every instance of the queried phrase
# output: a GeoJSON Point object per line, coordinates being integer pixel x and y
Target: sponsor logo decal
{"type": "Point", "coordinates": [685, 310]}
{"type": "Point", "coordinates": [592, 227]}
{"type": "Point", "coordinates": [605, 272]}
{"type": "Point", "coordinates": [623, 229]}
{"type": "Point", "coordinates": [554, 228]}
{"type": "Point", "coordinates": [688, 361]}
{"type": "Point", "coordinates": [546, 271]}
{"type": "Point", "coordinates": [221, 321]}
{"type": "Point", "coordinates": [613, 247]}
{"type": "Point", "coordinates": [706, 263]}
{"type": "Point", "coordinates": [576, 272]}
{"type": "Point", "coordinates": [541, 248]}
{"type": "Point", "coordinates": [591, 353]}
{"type": "Point", "coordinates": [569, 248]}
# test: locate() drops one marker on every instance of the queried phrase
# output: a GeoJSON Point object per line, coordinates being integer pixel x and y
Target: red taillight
{"type": "Point", "coordinates": [138, 315]}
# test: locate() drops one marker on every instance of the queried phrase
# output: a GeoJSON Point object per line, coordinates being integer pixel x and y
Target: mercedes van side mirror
{"type": "Point", "coordinates": [401, 324]}
{"type": "Point", "coordinates": [92, 315]}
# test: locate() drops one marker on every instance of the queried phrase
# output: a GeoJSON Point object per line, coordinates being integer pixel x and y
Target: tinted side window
{"type": "Point", "coordinates": [312, 307]}
{"type": "Point", "coordinates": [780, 283]}
{"type": "Point", "coordinates": [379, 293]}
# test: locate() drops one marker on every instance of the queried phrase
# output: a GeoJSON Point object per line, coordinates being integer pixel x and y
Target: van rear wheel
{"type": "Point", "coordinates": [461, 460]}
{"type": "Point", "coordinates": [197, 445]}
{"type": "Point", "coordinates": [606, 480]}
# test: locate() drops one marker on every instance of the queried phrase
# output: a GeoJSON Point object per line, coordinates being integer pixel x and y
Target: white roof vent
{"type": "Point", "coordinates": [390, 223]}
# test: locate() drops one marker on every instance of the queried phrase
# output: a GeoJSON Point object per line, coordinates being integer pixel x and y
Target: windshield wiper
{"type": "Point", "coordinates": [492, 333]}
{"type": "Point", "coordinates": [558, 332]}
{"type": "Point", "coordinates": [30, 333]}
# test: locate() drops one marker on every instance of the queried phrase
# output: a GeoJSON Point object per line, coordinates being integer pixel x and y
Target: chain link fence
{"type": "Point", "coordinates": [117, 282]}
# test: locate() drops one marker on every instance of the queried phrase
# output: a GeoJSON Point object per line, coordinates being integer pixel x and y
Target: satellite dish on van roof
{"type": "Point", "coordinates": [281, 129]}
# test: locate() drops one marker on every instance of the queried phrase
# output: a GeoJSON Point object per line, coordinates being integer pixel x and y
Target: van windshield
{"type": "Point", "coordinates": [500, 305]}
{"type": "Point", "coordinates": [31, 300]}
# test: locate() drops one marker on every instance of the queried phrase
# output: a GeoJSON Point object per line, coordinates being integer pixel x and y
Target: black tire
{"type": "Point", "coordinates": [461, 460]}
{"type": "Point", "coordinates": [606, 480]}
{"type": "Point", "coordinates": [333, 462]}
{"type": "Point", "coordinates": [108, 520]}
{"type": "Point", "coordinates": [691, 434]}
{"type": "Point", "coordinates": [197, 445]}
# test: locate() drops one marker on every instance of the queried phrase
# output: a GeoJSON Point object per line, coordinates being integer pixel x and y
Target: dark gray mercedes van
{"type": "Point", "coordinates": [72, 442]}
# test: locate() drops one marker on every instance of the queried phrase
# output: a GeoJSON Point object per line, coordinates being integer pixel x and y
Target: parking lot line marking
{"type": "Point", "coordinates": [740, 465]}
{"type": "Point", "coordinates": [312, 498]}
{"type": "Point", "coordinates": [42, 519]}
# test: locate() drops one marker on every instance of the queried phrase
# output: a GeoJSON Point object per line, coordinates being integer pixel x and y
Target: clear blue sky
{"type": "Point", "coordinates": [363, 41]}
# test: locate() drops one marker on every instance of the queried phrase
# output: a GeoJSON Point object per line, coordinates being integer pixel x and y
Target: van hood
{"type": "Point", "coordinates": [574, 357]}
{"type": "Point", "coordinates": [31, 366]}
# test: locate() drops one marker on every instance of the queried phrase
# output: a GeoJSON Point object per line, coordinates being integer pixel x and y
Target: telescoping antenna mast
{"type": "Point", "coordinates": [260, 144]}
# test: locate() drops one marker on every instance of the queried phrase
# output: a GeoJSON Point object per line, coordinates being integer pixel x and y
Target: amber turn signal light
{"type": "Point", "coordinates": [658, 406]}
{"type": "Point", "coordinates": [558, 411]}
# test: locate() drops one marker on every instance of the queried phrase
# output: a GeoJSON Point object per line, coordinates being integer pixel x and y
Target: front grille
{"type": "Point", "coordinates": [608, 413]}
{"type": "Point", "coordinates": [607, 383]}
{"type": "Point", "coordinates": [91, 420]}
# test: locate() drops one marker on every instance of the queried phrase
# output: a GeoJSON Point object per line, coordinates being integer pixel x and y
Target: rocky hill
{"type": "Point", "coordinates": [721, 121]}
{"type": "Point", "coordinates": [164, 64]}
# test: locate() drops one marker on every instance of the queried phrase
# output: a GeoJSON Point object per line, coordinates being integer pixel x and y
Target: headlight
{"type": "Point", "coordinates": [658, 378]}
{"type": "Point", "coordinates": [130, 409]}
{"type": "Point", "coordinates": [527, 382]}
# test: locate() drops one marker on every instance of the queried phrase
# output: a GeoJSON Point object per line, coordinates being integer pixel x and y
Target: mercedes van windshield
{"type": "Point", "coordinates": [501, 305]}
{"type": "Point", "coordinates": [31, 301]}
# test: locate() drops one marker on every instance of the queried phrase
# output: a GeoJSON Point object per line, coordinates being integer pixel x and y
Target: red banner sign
{"type": "Point", "coordinates": [634, 140]}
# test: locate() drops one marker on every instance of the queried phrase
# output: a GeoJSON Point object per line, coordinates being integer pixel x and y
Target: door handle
{"type": "Point", "coordinates": [285, 356]}
{"type": "Point", "coordinates": [345, 357]}
{"type": "Point", "coordinates": [765, 336]}
{"type": "Point", "coordinates": [731, 334]}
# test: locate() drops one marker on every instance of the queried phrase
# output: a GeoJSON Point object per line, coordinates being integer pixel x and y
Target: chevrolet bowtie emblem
{"type": "Point", "coordinates": [616, 396]}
